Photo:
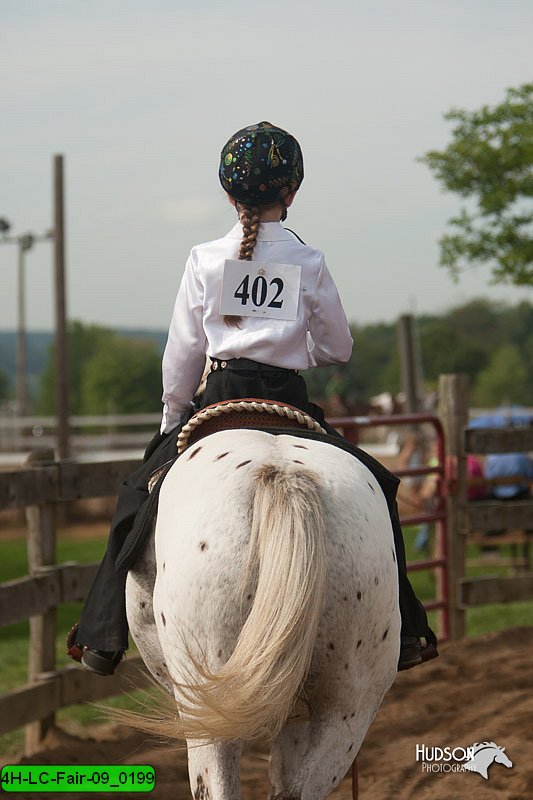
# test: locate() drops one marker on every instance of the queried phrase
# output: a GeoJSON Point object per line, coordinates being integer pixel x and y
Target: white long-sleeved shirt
{"type": "Point", "coordinates": [318, 336]}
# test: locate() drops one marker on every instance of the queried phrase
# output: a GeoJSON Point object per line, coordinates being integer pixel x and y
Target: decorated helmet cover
{"type": "Point", "coordinates": [260, 163]}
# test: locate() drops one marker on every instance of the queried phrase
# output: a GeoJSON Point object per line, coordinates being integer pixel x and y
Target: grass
{"type": "Point", "coordinates": [14, 638]}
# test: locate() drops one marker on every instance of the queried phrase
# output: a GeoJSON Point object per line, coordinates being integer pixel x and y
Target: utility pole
{"type": "Point", "coordinates": [408, 362]}
{"type": "Point", "coordinates": [25, 243]}
{"type": "Point", "coordinates": [63, 445]}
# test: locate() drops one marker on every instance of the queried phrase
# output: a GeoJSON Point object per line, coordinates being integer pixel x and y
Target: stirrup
{"type": "Point", "coordinates": [74, 650]}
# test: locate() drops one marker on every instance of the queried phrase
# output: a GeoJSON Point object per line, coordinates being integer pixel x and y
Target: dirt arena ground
{"type": "Point", "coordinates": [478, 690]}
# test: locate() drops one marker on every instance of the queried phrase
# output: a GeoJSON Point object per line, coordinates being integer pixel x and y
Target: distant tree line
{"type": "Point", "coordinates": [492, 343]}
{"type": "Point", "coordinates": [113, 372]}
{"type": "Point", "coordinates": [108, 373]}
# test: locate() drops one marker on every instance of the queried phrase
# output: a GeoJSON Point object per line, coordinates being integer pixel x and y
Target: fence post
{"type": "Point", "coordinates": [453, 411]}
{"type": "Point", "coordinates": [41, 522]}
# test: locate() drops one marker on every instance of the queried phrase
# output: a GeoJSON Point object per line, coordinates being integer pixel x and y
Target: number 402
{"type": "Point", "coordinates": [259, 291]}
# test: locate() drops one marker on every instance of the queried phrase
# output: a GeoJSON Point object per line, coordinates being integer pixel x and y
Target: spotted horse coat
{"type": "Point", "coordinates": [270, 577]}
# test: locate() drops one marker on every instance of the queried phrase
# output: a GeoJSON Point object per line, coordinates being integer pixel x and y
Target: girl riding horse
{"type": "Point", "coordinates": [259, 328]}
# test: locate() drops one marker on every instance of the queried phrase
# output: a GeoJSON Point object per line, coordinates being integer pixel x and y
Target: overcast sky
{"type": "Point", "coordinates": [140, 96]}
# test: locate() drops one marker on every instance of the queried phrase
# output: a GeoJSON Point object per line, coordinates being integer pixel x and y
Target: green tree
{"type": "Point", "coordinates": [506, 379]}
{"type": "Point", "coordinates": [122, 375]}
{"type": "Point", "coordinates": [373, 367]}
{"type": "Point", "coordinates": [83, 341]}
{"type": "Point", "coordinates": [445, 350]}
{"type": "Point", "coordinates": [490, 160]}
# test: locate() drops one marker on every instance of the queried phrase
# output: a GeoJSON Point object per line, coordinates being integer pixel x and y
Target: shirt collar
{"type": "Point", "coordinates": [268, 232]}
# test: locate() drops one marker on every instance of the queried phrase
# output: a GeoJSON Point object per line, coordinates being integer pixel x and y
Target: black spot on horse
{"type": "Point", "coordinates": [331, 646]}
{"type": "Point", "coordinates": [394, 556]}
{"type": "Point", "coordinates": [294, 461]}
{"type": "Point", "coordinates": [204, 546]}
{"type": "Point", "coordinates": [369, 484]}
{"type": "Point", "coordinates": [384, 635]}
{"type": "Point", "coordinates": [143, 604]}
{"type": "Point", "coordinates": [345, 717]}
{"type": "Point", "coordinates": [359, 643]}
{"type": "Point", "coordinates": [376, 580]}
{"type": "Point", "coordinates": [301, 446]}
{"type": "Point", "coordinates": [163, 618]}
{"type": "Point", "coordinates": [359, 595]}
{"type": "Point", "coordinates": [194, 453]}
{"type": "Point", "coordinates": [334, 779]}
{"type": "Point", "coordinates": [248, 596]}
{"type": "Point", "coordinates": [221, 456]}
{"type": "Point", "coordinates": [345, 598]}
{"type": "Point", "coordinates": [350, 748]}
{"type": "Point", "coordinates": [346, 666]}
{"type": "Point", "coordinates": [243, 463]}
{"type": "Point", "coordinates": [219, 654]}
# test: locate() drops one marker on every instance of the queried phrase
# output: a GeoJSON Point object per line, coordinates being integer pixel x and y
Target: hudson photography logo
{"type": "Point", "coordinates": [476, 758]}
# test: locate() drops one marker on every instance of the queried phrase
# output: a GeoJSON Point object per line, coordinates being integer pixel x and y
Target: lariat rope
{"type": "Point", "coordinates": [244, 405]}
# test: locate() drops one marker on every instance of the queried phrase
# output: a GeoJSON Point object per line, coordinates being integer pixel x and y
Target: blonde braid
{"type": "Point", "coordinates": [250, 219]}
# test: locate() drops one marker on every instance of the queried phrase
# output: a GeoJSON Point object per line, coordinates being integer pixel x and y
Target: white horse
{"type": "Point", "coordinates": [271, 578]}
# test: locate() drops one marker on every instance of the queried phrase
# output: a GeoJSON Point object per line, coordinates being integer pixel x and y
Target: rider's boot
{"type": "Point", "coordinates": [414, 651]}
{"type": "Point", "coordinates": [102, 662]}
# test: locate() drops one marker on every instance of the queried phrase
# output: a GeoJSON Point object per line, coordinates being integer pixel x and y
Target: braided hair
{"type": "Point", "coordinates": [250, 219]}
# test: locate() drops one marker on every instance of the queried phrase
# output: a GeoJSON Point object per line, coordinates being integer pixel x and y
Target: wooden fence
{"type": "Point", "coordinates": [468, 519]}
{"type": "Point", "coordinates": [40, 488]}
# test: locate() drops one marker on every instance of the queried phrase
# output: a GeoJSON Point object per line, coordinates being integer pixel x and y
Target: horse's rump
{"type": "Point", "coordinates": [275, 570]}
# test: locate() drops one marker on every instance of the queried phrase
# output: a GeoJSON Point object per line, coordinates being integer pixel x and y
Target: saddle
{"type": "Point", "coordinates": [248, 412]}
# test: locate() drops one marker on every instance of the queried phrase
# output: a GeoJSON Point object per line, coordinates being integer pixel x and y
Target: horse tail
{"type": "Point", "coordinates": [253, 693]}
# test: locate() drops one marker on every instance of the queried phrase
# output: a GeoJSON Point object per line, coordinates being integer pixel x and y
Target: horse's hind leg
{"type": "Point", "coordinates": [310, 760]}
{"type": "Point", "coordinates": [139, 592]}
{"type": "Point", "coordinates": [286, 755]}
{"type": "Point", "coordinates": [214, 770]}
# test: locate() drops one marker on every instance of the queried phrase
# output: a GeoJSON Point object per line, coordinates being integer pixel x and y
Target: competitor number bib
{"type": "Point", "coordinates": [259, 289]}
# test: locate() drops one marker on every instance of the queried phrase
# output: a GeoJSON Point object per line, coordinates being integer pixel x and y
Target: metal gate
{"type": "Point", "coordinates": [350, 427]}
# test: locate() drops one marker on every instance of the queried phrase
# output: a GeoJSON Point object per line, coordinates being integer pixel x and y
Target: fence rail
{"type": "Point", "coordinates": [88, 433]}
{"type": "Point", "coordinates": [28, 597]}
{"type": "Point", "coordinates": [61, 688]}
{"type": "Point", "coordinates": [57, 482]}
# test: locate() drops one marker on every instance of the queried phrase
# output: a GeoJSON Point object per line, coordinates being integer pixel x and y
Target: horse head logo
{"type": "Point", "coordinates": [483, 755]}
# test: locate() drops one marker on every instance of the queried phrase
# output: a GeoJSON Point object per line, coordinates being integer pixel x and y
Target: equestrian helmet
{"type": "Point", "coordinates": [261, 164]}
